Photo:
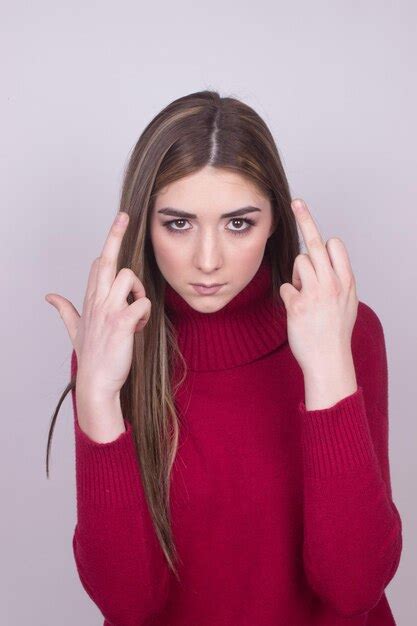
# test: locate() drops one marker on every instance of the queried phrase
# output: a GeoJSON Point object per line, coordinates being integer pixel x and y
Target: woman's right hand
{"type": "Point", "coordinates": [103, 335]}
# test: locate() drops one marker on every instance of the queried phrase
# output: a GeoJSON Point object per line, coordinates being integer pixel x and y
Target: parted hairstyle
{"type": "Point", "coordinates": [193, 131]}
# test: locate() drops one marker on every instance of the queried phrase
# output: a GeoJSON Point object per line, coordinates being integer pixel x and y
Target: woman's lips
{"type": "Point", "coordinates": [206, 291]}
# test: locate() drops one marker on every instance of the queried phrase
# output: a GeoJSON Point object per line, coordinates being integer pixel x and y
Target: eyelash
{"type": "Point", "coordinates": [247, 220]}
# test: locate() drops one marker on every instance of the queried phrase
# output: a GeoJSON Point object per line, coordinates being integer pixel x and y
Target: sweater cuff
{"type": "Point", "coordinates": [107, 474]}
{"type": "Point", "coordinates": [337, 439]}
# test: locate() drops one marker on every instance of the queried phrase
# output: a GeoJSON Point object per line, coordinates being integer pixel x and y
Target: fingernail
{"type": "Point", "coordinates": [121, 217]}
{"type": "Point", "coordinates": [298, 204]}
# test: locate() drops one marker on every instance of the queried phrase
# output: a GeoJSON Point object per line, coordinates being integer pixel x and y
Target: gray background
{"type": "Point", "coordinates": [334, 81]}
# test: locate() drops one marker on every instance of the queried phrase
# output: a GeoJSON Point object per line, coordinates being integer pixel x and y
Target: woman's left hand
{"type": "Point", "coordinates": [321, 302]}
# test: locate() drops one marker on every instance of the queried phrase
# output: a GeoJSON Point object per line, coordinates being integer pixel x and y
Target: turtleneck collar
{"type": "Point", "coordinates": [246, 328]}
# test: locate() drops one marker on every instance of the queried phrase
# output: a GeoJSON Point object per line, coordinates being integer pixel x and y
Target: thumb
{"type": "Point", "coordinates": [67, 311]}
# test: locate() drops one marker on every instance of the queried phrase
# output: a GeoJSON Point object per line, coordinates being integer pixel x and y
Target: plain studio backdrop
{"type": "Point", "coordinates": [335, 82]}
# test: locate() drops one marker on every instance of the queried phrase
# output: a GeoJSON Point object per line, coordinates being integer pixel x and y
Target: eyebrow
{"type": "Point", "coordinates": [177, 213]}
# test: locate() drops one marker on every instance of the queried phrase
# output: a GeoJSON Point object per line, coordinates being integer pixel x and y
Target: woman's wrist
{"type": "Point", "coordinates": [100, 417]}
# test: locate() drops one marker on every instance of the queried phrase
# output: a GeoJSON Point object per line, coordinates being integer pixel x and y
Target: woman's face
{"type": "Point", "coordinates": [204, 246]}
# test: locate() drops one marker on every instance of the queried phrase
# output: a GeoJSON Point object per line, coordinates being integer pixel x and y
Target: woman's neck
{"type": "Point", "coordinates": [246, 328]}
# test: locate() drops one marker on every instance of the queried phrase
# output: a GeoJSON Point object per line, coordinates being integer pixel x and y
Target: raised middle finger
{"type": "Point", "coordinates": [91, 283]}
{"type": "Point", "coordinates": [313, 239]}
{"type": "Point", "coordinates": [107, 267]}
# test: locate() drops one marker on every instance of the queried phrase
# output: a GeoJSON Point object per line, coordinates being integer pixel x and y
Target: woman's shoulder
{"type": "Point", "coordinates": [368, 339]}
{"type": "Point", "coordinates": [368, 320]}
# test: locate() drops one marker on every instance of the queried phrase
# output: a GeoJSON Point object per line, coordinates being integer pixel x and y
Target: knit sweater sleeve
{"type": "Point", "coordinates": [118, 558]}
{"type": "Point", "coordinates": [352, 528]}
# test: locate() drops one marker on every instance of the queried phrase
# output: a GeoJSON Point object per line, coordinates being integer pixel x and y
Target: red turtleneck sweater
{"type": "Point", "coordinates": [281, 516]}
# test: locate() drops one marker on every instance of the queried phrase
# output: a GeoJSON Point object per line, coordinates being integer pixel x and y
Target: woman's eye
{"type": "Point", "coordinates": [170, 227]}
{"type": "Point", "coordinates": [240, 231]}
{"type": "Point", "coordinates": [242, 220]}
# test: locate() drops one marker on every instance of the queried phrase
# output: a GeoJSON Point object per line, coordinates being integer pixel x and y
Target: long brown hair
{"type": "Point", "coordinates": [191, 132]}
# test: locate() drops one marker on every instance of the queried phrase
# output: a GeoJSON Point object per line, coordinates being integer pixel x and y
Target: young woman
{"type": "Point", "coordinates": [231, 441]}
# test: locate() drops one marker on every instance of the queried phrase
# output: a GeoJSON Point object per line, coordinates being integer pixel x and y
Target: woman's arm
{"type": "Point", "coordinates": [118, 557]}
{"type": "Point", "coordinates": [353, 530]}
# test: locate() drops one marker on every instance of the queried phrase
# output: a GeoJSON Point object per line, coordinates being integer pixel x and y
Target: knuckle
{"type": "Point", "coordinates": [297, 307]}
{"type": "Point", "coordinates": [126, 271]}
{"type": "Point", "coordinates": [350, 281]}
{"type": "Point", "coordinates": [89, 300]}
{"type": "Point", "coordinates": [109, 318]}
{"type": "Point", "coordinates": [114, 321]}
{"type": "Point", "coordinates": [315, 242]}
{"type": "Point", "coordinates": [124, 322]}
{"type": "Point", "coordinates": [315, 294]}
{"type": "Point", "coordinates": [334, 287]}
{"type": "Point", "coordinates": [104, 261]}
{"type": "Point", "coordinates": [96, 307]}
